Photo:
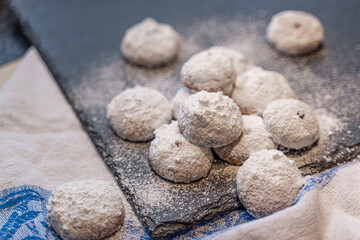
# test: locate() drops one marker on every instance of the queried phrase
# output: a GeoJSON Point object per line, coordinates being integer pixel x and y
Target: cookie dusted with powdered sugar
{"type": "Point", "coordinates": [135, 113]}
{"type": "Point", "coordinates": [239, 62]}
{"type": "Point", "coordinates": [210, 119]}
{"type": "Point", "coordinates": [256, 88]}
{"type": "Point", "coordinates": [174, 158]}
{"type": "Point", "coordinates": [295, 32]}
{"type": "Point", "coordinates": [85, 210]}
{"type": "Point", "coordinates": [254, 138]}
{"type": "Point", "coordinates": [150, 44]}
{"type": "Point", "coordinates": [211, 70]}
{"type": "Point", "coordinates": [178, 100]}
{"type": "Point", "coordinates": [291, 123]}
{"type": "Point", "coordinates": [268, 182]}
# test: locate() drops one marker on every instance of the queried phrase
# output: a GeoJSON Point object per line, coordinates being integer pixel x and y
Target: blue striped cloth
{"type": "Point", "coordinates": [23, 214]}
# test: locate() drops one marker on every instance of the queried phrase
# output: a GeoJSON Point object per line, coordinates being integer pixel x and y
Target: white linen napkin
{"type": "Point", "coordinates": [42, 141]}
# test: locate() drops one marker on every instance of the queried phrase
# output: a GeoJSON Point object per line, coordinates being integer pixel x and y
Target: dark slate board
{"type": "Point", "coordinates": [13, 43]}
{"type": "Point", "coordinates": [79, 41]}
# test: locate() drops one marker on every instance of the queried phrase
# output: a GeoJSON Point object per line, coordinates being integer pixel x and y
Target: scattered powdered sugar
{"type": "Point", "coordinates": [329, 124]}
{"type": "Point", "coordinates": [152, 192]}
{"type": "Point", "coordinates": [238, 59]}
{"type": "Point", "coordinates": [318, 85]}
{"type": "Point", "coordinates": [102, 83]}
{"type": "Point", "coordinates": [334, 102]}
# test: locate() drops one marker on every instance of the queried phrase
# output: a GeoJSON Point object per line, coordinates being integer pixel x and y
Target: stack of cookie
{"type": "Point", "coordinates": [228, 107]}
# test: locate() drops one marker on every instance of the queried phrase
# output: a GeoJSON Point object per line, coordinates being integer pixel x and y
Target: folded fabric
{"type": "Point", "coordinates": [41, 140]}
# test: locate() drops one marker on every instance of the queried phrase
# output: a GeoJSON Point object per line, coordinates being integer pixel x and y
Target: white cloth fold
{"type": "Point", "coordinates": [41, 140]}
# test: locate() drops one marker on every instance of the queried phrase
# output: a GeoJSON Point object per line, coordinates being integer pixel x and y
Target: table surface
{"type": "Point", "coordinates": [80, 40]}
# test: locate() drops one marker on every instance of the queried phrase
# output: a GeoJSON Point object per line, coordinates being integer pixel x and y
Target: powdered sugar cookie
{"type": "Point", "coordinates": [211, 70]}
{"type": "Point", "coordinates": [178, 100]}
{"type": "Point", "coordinates": [238, 59]}
{"type": "Point", "coordinates": [254, 138]}
{"type": "Point", "coordinates": [210, 119]}
{"type": "Point", "coordinates": [268, 182]}
{"type": "Point", "coordinates": [136, 112]}
{"type": "Point", "coordinates": [291, 123]}
{"type": "Point", "coordinates": [175, 158]}
{"type": "Point", "coordinates": [85, 210]}
{"type": "Point", "coordinates": [256, 88]}
{"type": "Point", "coordinates": [150, 44]}
{"type": "Point", "coordinates": [295, 32]}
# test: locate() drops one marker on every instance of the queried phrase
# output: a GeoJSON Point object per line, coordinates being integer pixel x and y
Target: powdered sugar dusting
{"type": "Point", "coordinates": [334, 102]}
{"type": "Point", "coordinates": [174, 158]}
{"type": "Point", "coordinates": [85, 209]}
{"type": "Point", "coordinates": [329, 124]}
{"type": "Point", "coordinates": [268, 182]}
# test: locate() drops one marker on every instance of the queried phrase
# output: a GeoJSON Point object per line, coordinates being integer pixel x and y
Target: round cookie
{"type": "Point", "coordinates": [291, 123]}
{"type": "Point", "coordinates": [256, 88]}
{"type": "Point", "coordinates": [150, 44]}
{"type": "Point", "coordinates": [254, 138]}
{"type": "Point", "coordinates": [136, 112]}
{"type": "Point", "coordinates": [178, 100]}
{"type": "Point", "coordinates": [210, 119]}
{"type": "Point", "coordinates": [268, 182]}
{"type": "Point", "coordinates": [85, 210]}
{"type": "Point", "coordinates": [295, 32]}
{"type": "Point", "coordinates": [238, 59]}
{"type": "Point", "coordinates": [175, 158]}
{"type": "Point", "coordinates": [211, 70]}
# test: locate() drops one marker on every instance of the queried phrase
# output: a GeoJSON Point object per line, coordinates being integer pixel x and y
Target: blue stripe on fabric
{"type": "Point", "coordinates": [23, 214]}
